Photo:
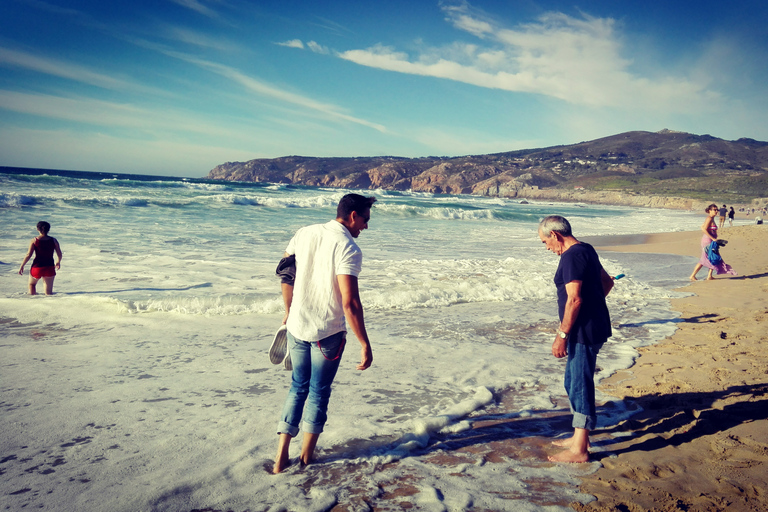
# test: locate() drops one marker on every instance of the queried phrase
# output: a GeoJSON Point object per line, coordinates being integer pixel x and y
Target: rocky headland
{"type": "Point", "coordinates": [665, 169]}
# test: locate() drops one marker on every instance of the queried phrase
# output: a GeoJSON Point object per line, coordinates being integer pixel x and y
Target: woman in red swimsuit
{"type": "Point", "coordinates": [43, 268]}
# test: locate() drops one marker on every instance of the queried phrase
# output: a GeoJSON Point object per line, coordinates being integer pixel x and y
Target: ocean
{"type": "Point", "coordinates": [144, 382]}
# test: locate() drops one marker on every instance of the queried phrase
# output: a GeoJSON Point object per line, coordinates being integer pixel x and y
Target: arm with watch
{"type": "Point", "coordinates": [572, 307]}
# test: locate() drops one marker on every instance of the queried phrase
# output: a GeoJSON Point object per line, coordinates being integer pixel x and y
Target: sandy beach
{"type": "Point", "coordinates": [701, 440]}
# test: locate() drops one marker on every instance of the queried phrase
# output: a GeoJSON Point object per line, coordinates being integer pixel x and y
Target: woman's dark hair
{"type": "Point", "coordinates": [43, 227]}
{"type": "Point", "coordinates": [709, 208]}
{"type": "Point", "coordinates": [353, 203]}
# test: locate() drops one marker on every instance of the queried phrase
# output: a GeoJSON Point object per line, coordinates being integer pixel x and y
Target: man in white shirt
{"type": "Point", "coordinates": [324, 294]}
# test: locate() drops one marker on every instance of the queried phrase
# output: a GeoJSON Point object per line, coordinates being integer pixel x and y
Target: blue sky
{"type": "Point", "coordinates": [176, 87]}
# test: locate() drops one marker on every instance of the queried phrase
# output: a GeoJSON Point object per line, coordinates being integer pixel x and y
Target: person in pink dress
{"type": "Point", "coordinates": [709, 227]}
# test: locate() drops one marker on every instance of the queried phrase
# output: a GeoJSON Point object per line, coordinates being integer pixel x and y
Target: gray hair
{"type": "Point", "coordinates": [555, 223]}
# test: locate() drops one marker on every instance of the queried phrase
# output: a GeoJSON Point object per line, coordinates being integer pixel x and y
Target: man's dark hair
{"type": "Point", "coordinates": [353, 203]}
{"type": "Point", "coordinates": [43, 227]}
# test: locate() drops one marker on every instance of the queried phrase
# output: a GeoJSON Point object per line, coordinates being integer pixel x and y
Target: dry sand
{"type": "Point", "coordinates": [701, 441]}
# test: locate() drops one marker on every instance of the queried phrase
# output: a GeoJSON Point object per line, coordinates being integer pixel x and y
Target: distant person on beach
{"type": "Point", "coordinates": [43, 247]}
{"type": "Point", "coordinates": [325, 292]}
{"type": "Point", "coordinates": [585, 325]}
{"type": "Point", "coordinates": [709, 227]}
{"type": "Point", "coordinates": [731, 215]}
{"type": "Point", "coordinates": [723, 213]}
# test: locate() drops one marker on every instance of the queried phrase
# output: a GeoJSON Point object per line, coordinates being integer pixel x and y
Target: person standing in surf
{"type": "Point", "coordinates": [585, 325]}
{"type": "Point", "coordinates": [324, 294]}
{"type": "Point", "coordinates": [43, 247]}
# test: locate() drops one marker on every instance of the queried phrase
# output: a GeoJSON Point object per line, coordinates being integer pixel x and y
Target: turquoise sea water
{"type": "Point", "coordinates": [156, 340]}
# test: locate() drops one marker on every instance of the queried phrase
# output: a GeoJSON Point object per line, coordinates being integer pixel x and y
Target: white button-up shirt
{"type": "Point", "coordinates": [323, 251]}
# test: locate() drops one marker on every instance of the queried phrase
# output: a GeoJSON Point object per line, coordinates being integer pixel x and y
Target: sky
{"type": "Point", "coordinates": [176, 87]}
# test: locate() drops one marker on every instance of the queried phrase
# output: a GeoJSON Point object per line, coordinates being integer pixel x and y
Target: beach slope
{"type": "Point", "coordinates": [701, 441]}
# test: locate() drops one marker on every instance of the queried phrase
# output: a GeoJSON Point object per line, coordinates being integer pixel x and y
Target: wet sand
{"type": "Point", "coordinates": [701, 441]}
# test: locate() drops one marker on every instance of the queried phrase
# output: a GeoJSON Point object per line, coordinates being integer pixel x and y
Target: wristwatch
{"type": "Point", "coordinates": [562, 334]}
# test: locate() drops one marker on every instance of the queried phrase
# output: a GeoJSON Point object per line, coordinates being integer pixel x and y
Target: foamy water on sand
{"type": "Point", "coordinates": [144, 383]}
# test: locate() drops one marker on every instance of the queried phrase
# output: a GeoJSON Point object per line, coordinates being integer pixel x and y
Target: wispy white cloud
{"type": "Point", "coordinates": [332, 26]}
{"type": "Point", "coordinates": [311, 45]}
{"type": "Point", "coordinates": [254, 85]}
{"type": "Point", "coordinates": [109, 114]}
{"type": "Point", "coordinates": [578, 60]}
{"type": "Point", "coordinates": [195, 38]}
{"type": "Point", "coordinates": [293, 43]}
{"type": "Point", "coordinates": [198, 7]}
{"type": "Point", "coordinates": [317, 48]}
{"type": "Point", "coordinates": [71, 71]}
{"type": "Point", "coordinates": [60, 68]}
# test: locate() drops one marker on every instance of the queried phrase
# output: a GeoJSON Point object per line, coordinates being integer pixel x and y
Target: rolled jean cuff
{"type": "Point", "coordinates": [584, 421]}
{"type": "Point", "coordinates": [311, 428]}
{"type": "Point", "coordinates": [285, 428]}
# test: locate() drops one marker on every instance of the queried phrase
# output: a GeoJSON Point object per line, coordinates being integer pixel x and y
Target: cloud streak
{"type": "Point", "coordinates": [111, 115]}
{"type": "Point", "coordinates": [60, 69]}
{"type": "Point", "coordinates": [577, 60]}
{"type": "Point", "coordinates": [293, 43]}
{"type": "Point", "coordinates": [70, 71]}
{"type": "Point", "coordinates": [195, 38]}
{"type": "Point", "coordinates": [264, 89]}
{"type": "Point", "coordinates": [198, 7]}
{"type": "Point", "coordinates": [311, 45]}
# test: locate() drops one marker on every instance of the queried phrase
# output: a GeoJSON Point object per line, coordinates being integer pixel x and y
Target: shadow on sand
{"type": "Point", "coordinates": [686, 416]}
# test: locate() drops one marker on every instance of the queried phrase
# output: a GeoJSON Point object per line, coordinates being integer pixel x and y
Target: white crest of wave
{"type": "Point", "coordinates": [279, 202]}
{"type": "Point", "coordinates": [410, 284]}
{"type": "Point", "coordinates": [203, 306]}
{"type": "Point", "coordinates": [14, 200]}
{"type": "Point", "coordinates": [440, 212]}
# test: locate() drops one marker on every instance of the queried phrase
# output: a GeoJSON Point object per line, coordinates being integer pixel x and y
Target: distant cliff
{"type": "Point", "coordinates": [664, 169]}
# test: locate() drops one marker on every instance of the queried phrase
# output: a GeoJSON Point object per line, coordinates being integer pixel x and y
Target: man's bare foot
{"type": "Point", "coordinates": [281, 459]}
{"type": "Point", "coordinates": [565, 443]}
{"type": "Point", "coordinates": [569, 456]}
{"type": "Point", "coordinates": [710, 279]}
{"type": "Point", "coordinates": [693, 278]}
{"type": "Point", "coordinates": [280, 465]}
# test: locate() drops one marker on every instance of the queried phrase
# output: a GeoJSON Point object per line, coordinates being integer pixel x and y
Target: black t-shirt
{"type": "Point", "coordinates": [581, 263]}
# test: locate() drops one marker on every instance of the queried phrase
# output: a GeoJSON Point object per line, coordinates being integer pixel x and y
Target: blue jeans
{"type": "Point", "coordinates": [580, 383]}
{"type": "Point", "coordinates": [314, 367]}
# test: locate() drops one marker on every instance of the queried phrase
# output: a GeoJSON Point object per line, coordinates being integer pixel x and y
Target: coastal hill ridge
{"type": "Point", "coordinates": [662, 169]}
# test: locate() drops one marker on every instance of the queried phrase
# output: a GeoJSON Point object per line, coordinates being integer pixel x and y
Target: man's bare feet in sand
{"type": "Point", "coordinates": [307, 451]}
{"type": "Point", "coordinates": [282, 461]}
{"type": "Point", "coordinates": [578, 447]}
{"type": "Point", "coordinates": [567, 443]}
{"type": "Point", "coordinates": [280, 465]}
{"type": "Point", "coordinates": [569, 456]}
{"type": "Point", "coordinates": [693, 278]}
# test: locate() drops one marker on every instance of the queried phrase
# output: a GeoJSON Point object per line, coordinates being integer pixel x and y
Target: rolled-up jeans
{"type": "Point", "coordinates": [314, 367]}
{"type": "Point", "coordinates": [580, 382]}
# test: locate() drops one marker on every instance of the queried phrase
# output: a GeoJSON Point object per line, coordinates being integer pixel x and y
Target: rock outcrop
{"type": "Point", "coordinates": [633, 168]}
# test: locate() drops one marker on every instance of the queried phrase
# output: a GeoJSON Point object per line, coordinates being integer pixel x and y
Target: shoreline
{"type": "Point", "coordinates": [701, 439]}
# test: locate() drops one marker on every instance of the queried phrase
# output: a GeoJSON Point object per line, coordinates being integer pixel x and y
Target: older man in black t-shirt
{"type": "Point", "coordinates": [582, 285]}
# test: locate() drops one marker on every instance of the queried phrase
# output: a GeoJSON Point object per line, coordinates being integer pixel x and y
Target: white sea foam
{"type": "Point", "coordinates": [157, 391]}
